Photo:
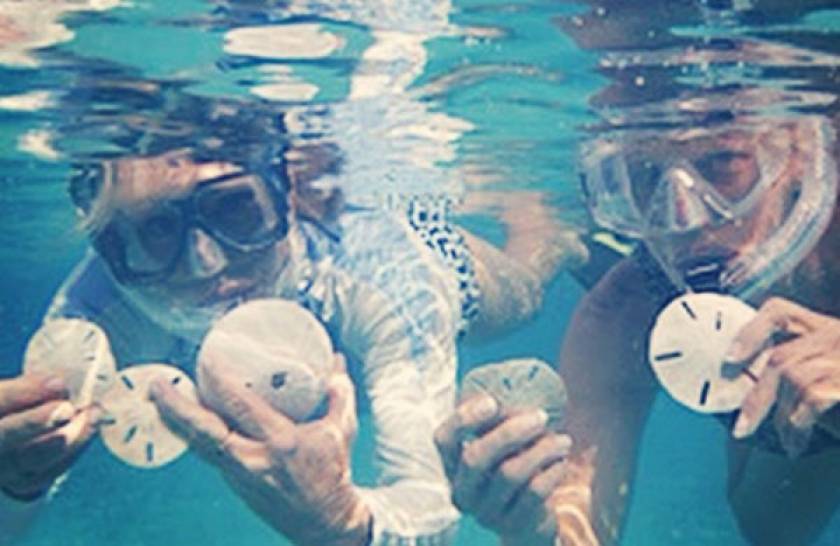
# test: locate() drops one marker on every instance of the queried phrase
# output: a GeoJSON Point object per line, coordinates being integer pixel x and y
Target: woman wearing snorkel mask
{"type": "Point", "coordinates": [182, 235]}
{"type": "Point", "coordinates": [743, 207]}
{"type": "Point", "coordinates": [179, 238]}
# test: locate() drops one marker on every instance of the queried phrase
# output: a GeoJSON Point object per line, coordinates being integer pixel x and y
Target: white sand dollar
{"type": "Point", "coordinates": [687, 350]}
{"type": "Point", "coordinates": [77, 351]}
{"type": "Point", "coordinates": [134, 431]}
{"type": "Point", "coordinates": [520, 384]}
{"type": "Point", "coordinates": [275, 348]}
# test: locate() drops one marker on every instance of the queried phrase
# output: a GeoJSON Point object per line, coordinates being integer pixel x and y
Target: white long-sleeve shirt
{"type": "Point", "coordinates": [390, 306]}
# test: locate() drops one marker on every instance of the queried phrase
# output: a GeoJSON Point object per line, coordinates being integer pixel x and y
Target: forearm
{"type": "Point", "coordinates": [411, 503]}
{"type": "Point", "coordinates": [592, 505]}
{"type": "Point", "coordinates": [404, 342]}
{"type": "Point", "coordinates": [610, 394]}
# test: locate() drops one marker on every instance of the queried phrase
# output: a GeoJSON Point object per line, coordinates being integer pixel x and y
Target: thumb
{"type": "Point", "coordinates": [341, 398]}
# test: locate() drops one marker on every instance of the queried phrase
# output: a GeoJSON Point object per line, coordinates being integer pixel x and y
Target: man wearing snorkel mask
{"type": "Point", "coordinates": [744, 207]}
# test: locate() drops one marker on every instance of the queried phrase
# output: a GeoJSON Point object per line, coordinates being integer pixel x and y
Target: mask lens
{"type": "Point", "coordinates": [686, 182]}
{"type": "Point", "coordinates": [152, 243]}
{"type": "Point", "coordinates": [240, 211]}
{"type": "Point", "coordinates": [140, 250]}
{"type": "Point", "coordinates": [645, 175]}
{"type": "Point", "coordinates": [732, 173]}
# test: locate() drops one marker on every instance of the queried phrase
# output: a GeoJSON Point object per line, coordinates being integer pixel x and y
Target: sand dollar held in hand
{"type": "Point", "coordinates": [78, 352]}
{"type": "Point", "coordinates": [520, 384]}
{"type": "Point", "coordinates": [134, 431]}
{"type": "Point", "coordinates": [687, 350]}
{"type": "Point", "coordinates": [273, 347]}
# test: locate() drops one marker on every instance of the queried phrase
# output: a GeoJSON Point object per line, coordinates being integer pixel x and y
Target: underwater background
{"type": "Point", "coordinates": [461, 97]}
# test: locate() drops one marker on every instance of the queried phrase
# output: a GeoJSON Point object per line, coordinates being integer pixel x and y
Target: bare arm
{"type": "Point", "coordinates": [611, 391]}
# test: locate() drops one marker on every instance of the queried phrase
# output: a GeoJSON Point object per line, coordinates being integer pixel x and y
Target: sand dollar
{"type": "Point", "coordinates": [520, 384]}
{"type": "Point", "coordinates": [687, 347]}
{"type": "Point", "coordinates": [77, 351]}
{"type": "Point", "coordinates": [134, 431]}
{"type": "Point", "coordinates": [273, 347]}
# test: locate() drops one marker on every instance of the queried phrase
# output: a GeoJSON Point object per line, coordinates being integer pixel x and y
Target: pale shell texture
{"type": "Point", "coordinates": [133, 429]}
{"type": "Point", "coordinates": [687, 347]}
{"type": "Point", "coordinates": [273, 347]}
{"type": "Point", "coordinates": [518, 385]}
{"type": "Point", "coordinates": [77, 351]}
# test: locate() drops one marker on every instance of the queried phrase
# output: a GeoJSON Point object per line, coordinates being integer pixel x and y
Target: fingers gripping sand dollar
{"type": "Point", "coordinates": [79, 353]}
{"type": "Point", "coordinates": [687, 351]}
{"type": "Point", "coordinates": [519, 385]}
{"type": "Point", "coordinates": [273, 347]}
{"type": "Point", "coordinates": [134, 431]}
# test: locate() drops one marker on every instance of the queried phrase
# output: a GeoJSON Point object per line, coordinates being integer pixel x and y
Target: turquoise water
{"type": "Point", "coordinates": [507, 89]}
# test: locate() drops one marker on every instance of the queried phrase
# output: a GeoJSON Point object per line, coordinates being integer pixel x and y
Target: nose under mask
{"type": "Point", "coordinates": [204, 255]}
{"type": "Point", "coordinates": [684, 201]}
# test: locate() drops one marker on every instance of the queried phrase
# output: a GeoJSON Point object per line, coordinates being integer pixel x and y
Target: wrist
{"type": "Point", "coordinates": [350, 526]}
{"type": "Point", "coordinates": [359, 532]}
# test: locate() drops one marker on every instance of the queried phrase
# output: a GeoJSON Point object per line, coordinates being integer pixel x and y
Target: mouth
{"type": "Point", "coordinates": [703, 272]}
{"type": "Point", "coordinates": [227, 290]}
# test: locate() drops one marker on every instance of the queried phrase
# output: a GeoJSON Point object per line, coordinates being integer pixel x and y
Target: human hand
{"type": "Point", "coordinates": [41, 433]}
{"type": "Point", "coordinates": [505, 476]}
{"type": "Point", "coordinates": [295, 476]}
{"type": "Point", "coordinates": [800, 376]}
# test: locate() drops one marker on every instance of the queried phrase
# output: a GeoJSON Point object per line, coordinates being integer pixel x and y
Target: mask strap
{"type": "Point", "coordinates": [611, 197]}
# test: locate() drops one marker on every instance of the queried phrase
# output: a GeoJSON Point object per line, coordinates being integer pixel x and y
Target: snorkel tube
{"type": "Point", "coordinates": [750, 276]}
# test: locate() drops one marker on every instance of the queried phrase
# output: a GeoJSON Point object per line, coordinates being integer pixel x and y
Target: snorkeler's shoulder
{"type": "Point", "coordinates": [630, 291]}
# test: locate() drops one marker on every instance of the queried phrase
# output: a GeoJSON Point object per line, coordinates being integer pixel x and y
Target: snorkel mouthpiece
{"type": "Point", "coordinates": [705, 273]}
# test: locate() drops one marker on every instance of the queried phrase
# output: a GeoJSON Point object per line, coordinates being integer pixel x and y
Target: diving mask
{"type": "Point", "coordinates": [730, 209]}
{"type": "Point", "coordinates": [240, 211]}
